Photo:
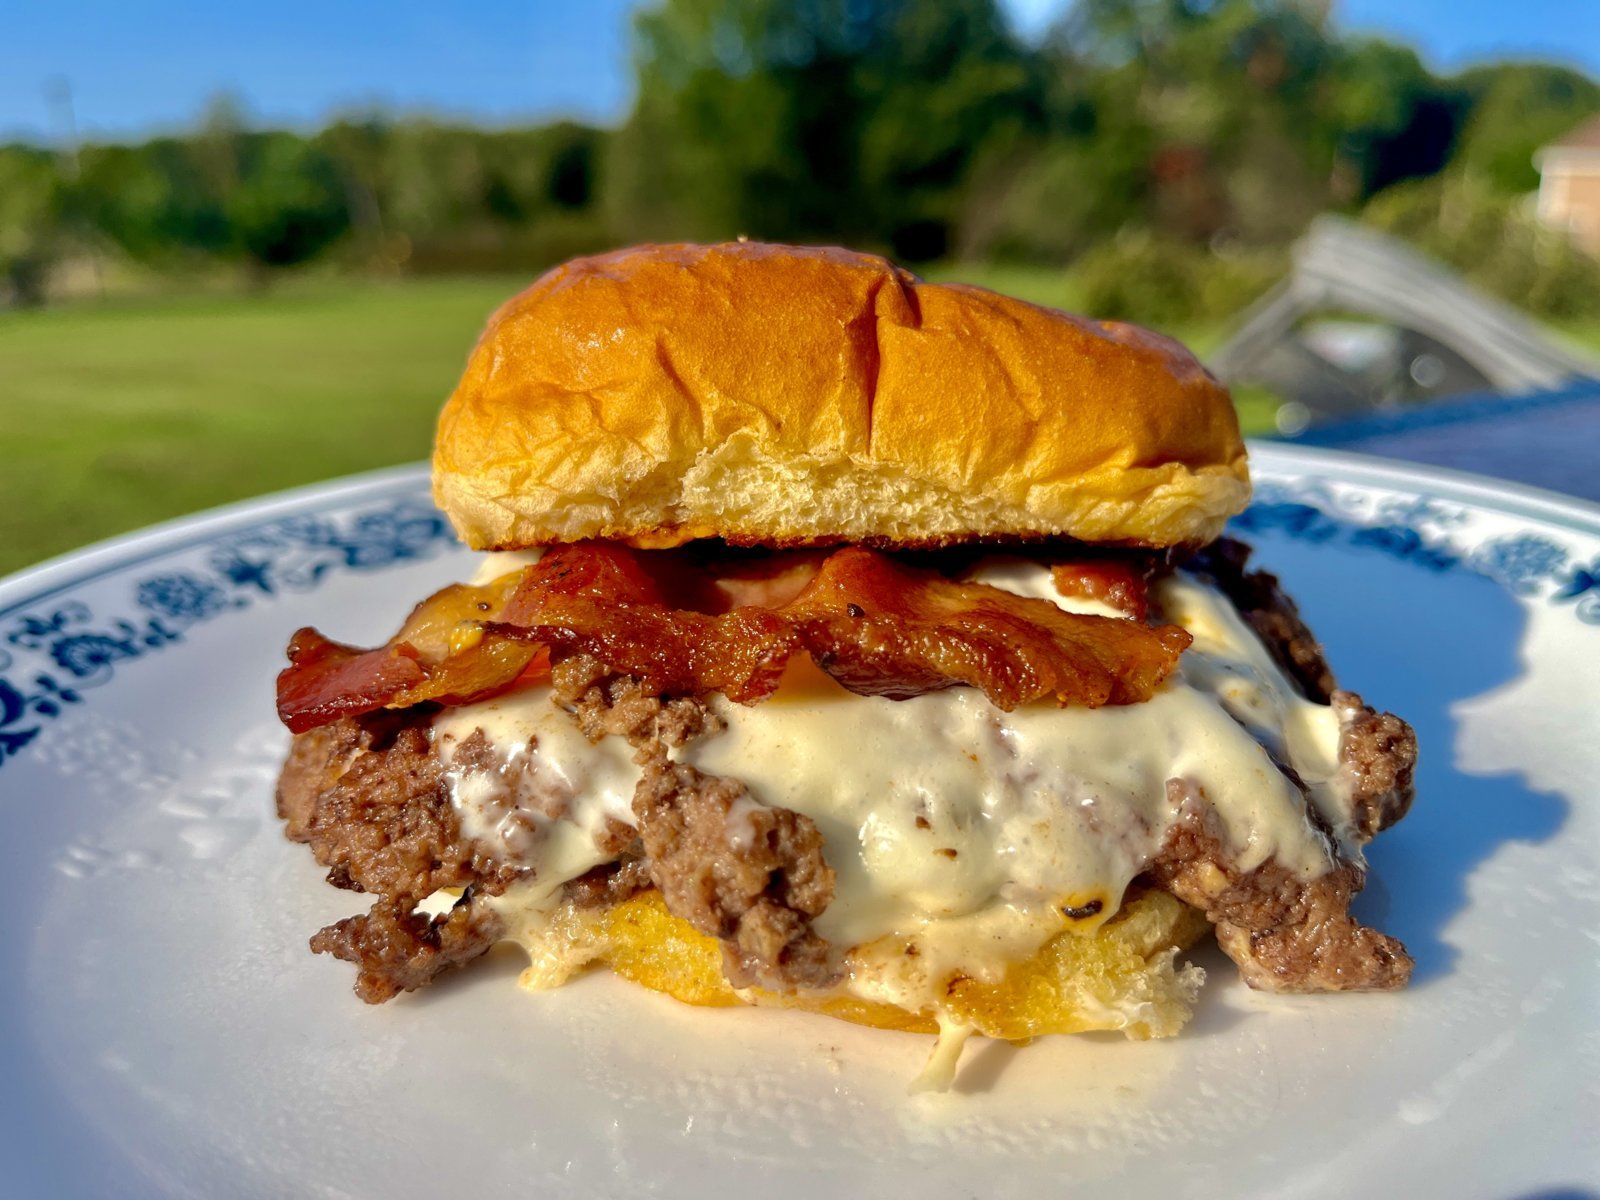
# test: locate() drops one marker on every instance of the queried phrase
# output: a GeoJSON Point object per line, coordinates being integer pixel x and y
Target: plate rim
{"type": "Point", "coordinates": [106, 556]}
{"type": "Point", "coordinates": [1445, 483]}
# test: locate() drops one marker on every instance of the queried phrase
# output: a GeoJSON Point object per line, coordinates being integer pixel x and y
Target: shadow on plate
{"type": "Point", "coordinates": [498, 968]}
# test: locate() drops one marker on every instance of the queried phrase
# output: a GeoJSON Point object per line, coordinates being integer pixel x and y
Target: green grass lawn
{"type": "Point", "coordinates": [114, 416]}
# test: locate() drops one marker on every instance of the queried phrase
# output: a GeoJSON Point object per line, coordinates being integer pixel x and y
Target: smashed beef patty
{"type": "Point", "coordinates": [369, 795]}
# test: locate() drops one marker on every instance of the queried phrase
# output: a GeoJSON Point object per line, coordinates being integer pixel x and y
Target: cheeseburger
{"type": "Point", "coordinates": [846, 643]}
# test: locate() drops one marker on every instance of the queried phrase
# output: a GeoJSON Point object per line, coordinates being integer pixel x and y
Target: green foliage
{"type": "Point", "coordinates": [1054, 200]}
{"type": "Point", "coordinates": [285, 204]}
{"type": "Point", "coordinates": [1494, 240]}
{"type": "Point", "coordinates": [267, 199]}
{"type": "Point", "coordinates": [154, 201]}
{"type": "Point", "coordinates": [1139, 132]}
{"type": "Point", "coordinates": [1516, 109]}
{"type": "Point", "coordinates": [1165, 282]}
{"type": "Point", "coordinates": [857, 120]}
{"type": "Point", "coordinates": [1393, 119]}
{"type": "Point", "coordinates": [433, 197]}
{"type": "Point", "coordinates": [1226, 95]}
{"type": "Point", "coordinates": [30, 213]}
{"type": "Point", "coordinates": [1204, 119]}
{"type": "Point", "coordinates": [383, 194]}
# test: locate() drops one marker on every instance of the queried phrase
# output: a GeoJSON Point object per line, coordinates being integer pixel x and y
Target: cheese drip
{"type": "Point", "coordinates": [972, 833]}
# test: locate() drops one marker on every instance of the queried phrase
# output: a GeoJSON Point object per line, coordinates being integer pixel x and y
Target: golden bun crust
{"type": "Point", "coordinates": [1119, 977]}
{"type": "Point", "coordinates": [785, 395]}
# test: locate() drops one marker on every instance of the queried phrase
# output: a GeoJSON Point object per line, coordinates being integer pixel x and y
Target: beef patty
{"type": "Point", "coordinates": [370, 797]}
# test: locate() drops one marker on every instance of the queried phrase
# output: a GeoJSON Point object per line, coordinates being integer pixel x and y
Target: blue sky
{"type": "Point", "coordinates": [139, 67]}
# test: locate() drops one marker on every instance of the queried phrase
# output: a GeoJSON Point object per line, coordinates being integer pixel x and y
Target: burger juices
{"type": "Point", "coordinates": [849, 643]}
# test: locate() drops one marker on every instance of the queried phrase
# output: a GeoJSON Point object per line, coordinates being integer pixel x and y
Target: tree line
{"type": "Point", "coordinates": [1168, 149]}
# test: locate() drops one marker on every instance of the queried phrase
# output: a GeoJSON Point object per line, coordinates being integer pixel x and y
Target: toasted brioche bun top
{"type": "Point", "coordinates": [786, 396]}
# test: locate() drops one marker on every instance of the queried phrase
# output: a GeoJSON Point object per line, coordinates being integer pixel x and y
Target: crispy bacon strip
{"type": "Point", "coordinates": [584, 570]}
{"type": "Point", "coordinates": [326, 680]}
{"type": "Point", "coordinates": [596, 599]}
{"type": "Point", "coordinates": [878, 627]}
{"type": "Point", "coordinates": [469, 643]}
{"type": "Point", "coordinates": [884, 629]}
{"type": "Point", "coordinates": [439, 655]}
{"type": "Point", "coordinates": [741, 654]}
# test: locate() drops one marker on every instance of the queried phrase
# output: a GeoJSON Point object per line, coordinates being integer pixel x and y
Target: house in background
{"type": "Point", "coordinates": [1569, 185]}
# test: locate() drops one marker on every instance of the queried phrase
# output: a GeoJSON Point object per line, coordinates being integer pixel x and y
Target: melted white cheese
{"type": "Point", "coordinates": [949, 823]}
{"type": "Point", "coordinates": [502, 562]}
{"type": "Point", "coordinates": [1227, 661]}
{"type": "Point", "coordinates": [547, 803]}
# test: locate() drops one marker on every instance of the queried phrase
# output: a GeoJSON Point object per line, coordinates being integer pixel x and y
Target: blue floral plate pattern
{"type": "Point", "coordinates": [167, 1034]}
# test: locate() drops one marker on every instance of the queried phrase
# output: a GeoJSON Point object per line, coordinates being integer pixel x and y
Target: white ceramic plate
{"type": "Point", "coordinates": [166, 1033]}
